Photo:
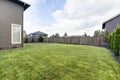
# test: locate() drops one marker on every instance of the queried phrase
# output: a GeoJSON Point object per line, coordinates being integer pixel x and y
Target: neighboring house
{"type": "Point", "coordinates": [111, 24]}
{"type": "Point", "coordinates": [37, 35]}
{"type": "Point", "coordinates": [11, 23]}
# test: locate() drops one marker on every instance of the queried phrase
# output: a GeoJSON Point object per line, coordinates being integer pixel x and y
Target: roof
{"type": "Point", "coordinates": [21, 3]}
{"type": "Point", "coordinates": [109, 20]}
{"type": "Point", "coordinates": [38, 32]}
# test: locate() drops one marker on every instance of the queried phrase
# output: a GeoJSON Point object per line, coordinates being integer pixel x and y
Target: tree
{"type": "Point", "coordinates": [52, 36]}
{"type": "Point", "coordinates": [97, 33]}
{"type": "Point", "coordinates": [85, 34]}
{"type": "Point", "coordinates": [114, 41]}
{"type": "Point", "coordinates": [65, 34]}
{"type": "Point", "coordinates": [56, 35]}
{"type": "Point", "coordinates": [106, 35]}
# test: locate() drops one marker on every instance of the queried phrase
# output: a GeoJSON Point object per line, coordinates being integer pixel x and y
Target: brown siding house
{"type": "Point", "coordinates": [11, 23]}
{"type": "Point", "coordinates": [111, 24]}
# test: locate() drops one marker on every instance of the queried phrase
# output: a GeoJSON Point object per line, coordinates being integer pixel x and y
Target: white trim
{"type": "Point", "coordinates": [12, 34]}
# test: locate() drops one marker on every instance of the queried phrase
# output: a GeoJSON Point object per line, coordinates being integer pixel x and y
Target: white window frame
{"type": "Point", "coordinates": [12, 42]}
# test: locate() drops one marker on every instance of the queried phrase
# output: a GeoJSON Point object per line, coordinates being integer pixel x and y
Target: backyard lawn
{"type": "Point", "coordinates": [58, 62]}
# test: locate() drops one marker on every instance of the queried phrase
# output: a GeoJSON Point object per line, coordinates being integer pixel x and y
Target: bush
{"type": "Point", "coordinates": [114, 41]}
{"type": "Point", "coordinates": [14, 47]}
{"type": "Point", "coordinates": [74, 43]}
{"type": "Point", "coordinates": [106, 35]}
{"type": "Point", "coordinates": [115, 44]}
{"type": "Point", "coordinates": [119, 50]}
{"type": "Point", "coordinates": [109, 41]}
{"type": "Point", "coordinates": [26, 40]}
{"type": "Point", "coordinates": [32, 40]}
{"type": "Point", "coordinates": [40, 38]}
{"type": "Point", "coordinates": [1, 48]}
{"type": "Point", "coordinates": [119, 53]}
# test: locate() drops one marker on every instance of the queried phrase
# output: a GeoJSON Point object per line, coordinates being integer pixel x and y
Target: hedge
{"type": "Point", "coordinates": [114, 41]}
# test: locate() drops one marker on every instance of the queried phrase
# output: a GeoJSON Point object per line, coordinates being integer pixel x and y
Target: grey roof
{"type": "Point", "coordinates": [103, 26]}
{"type": "Point", "coordinates": [38, 32]}
{"type": "Point", "coordinates": [21, 3]}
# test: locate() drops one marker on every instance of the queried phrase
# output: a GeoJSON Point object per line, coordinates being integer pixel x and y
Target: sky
{"type": "Point", "coordinates": [75, 17]}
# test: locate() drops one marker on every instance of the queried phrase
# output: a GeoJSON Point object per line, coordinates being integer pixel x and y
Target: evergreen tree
{"type": "Point", "coordinates": [97, 33]}
{"type": "Point", "coordinates": [57, 35]}
{"type": "Point", "coordinates": [106, 35]}
{"type": "Point", "coordinates": [65, 34]}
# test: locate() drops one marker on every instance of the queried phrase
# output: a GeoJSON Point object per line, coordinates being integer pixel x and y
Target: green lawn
{"type": "Point", "coordinates": [58, 62]}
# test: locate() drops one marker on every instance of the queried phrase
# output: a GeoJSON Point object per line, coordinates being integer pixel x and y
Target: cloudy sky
{"type": "Point", "coordinates": [72, 16]}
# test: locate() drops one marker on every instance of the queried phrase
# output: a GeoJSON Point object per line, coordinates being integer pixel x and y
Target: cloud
{"type": "Point", "coordinates": [85, 15]}
{"type": "Point", "coordinates": [77, 17]}
{"type": "Point", "coordinates": [30, 16]}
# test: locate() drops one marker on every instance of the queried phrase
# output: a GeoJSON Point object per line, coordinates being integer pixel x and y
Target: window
{"type": "Point", "coordinates": [15, 34]}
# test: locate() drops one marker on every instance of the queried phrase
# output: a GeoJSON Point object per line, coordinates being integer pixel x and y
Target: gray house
{"type": "Point", "coordinates": [112, 23]}
{"type": "Point", "coordinates": [37, 34]}
{"type": "Point", "coordinates": [11, 23]}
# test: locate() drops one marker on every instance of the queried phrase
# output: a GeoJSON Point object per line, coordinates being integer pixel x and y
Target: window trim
{"type": "Point", "coordinates": [12, 42]}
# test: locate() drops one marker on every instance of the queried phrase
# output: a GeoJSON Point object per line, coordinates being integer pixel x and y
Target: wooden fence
{"type": "Point", "coordinates": [96, 41]}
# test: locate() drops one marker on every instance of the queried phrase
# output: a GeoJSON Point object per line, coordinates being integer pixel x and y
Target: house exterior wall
{"type": "Point", "coordinates": [111, 25]}
{"type": "Point", "coordinates": [10, 13]}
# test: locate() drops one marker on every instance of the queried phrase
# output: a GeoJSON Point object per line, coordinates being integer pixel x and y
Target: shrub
{"type": "Point", "coordinates": [40, 38]}
{"type": "Point", "coordinates": [14, 47]}
{"type": "Point", "coordinates": [32, 40]}
{"type": "Point", "coordinates": [119, 53]}
{"type": "Point", "coordinates": [109, 40]}
{"type": "Point", "coordinates": [119, 50]}
{"type": "Point", "coordinates": [1, 48]}
{"type": "Point", "coordinates": [26, 40]}
{"type": "Point", "coordinates": [106, 35]}
{"type": "Point", "coordinates": [114, 41]}
{"type": "Point", "coordinates": [115, 44]}
{"type": "Point", "coordinates": [74, 43]}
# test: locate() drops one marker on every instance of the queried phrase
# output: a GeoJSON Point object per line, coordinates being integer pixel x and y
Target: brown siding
{"type": "Point", "coordinates": [9, 13]}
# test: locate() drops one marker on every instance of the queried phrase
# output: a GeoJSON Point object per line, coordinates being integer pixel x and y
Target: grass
{"type": "Point", "coordinates": [58, 62]}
